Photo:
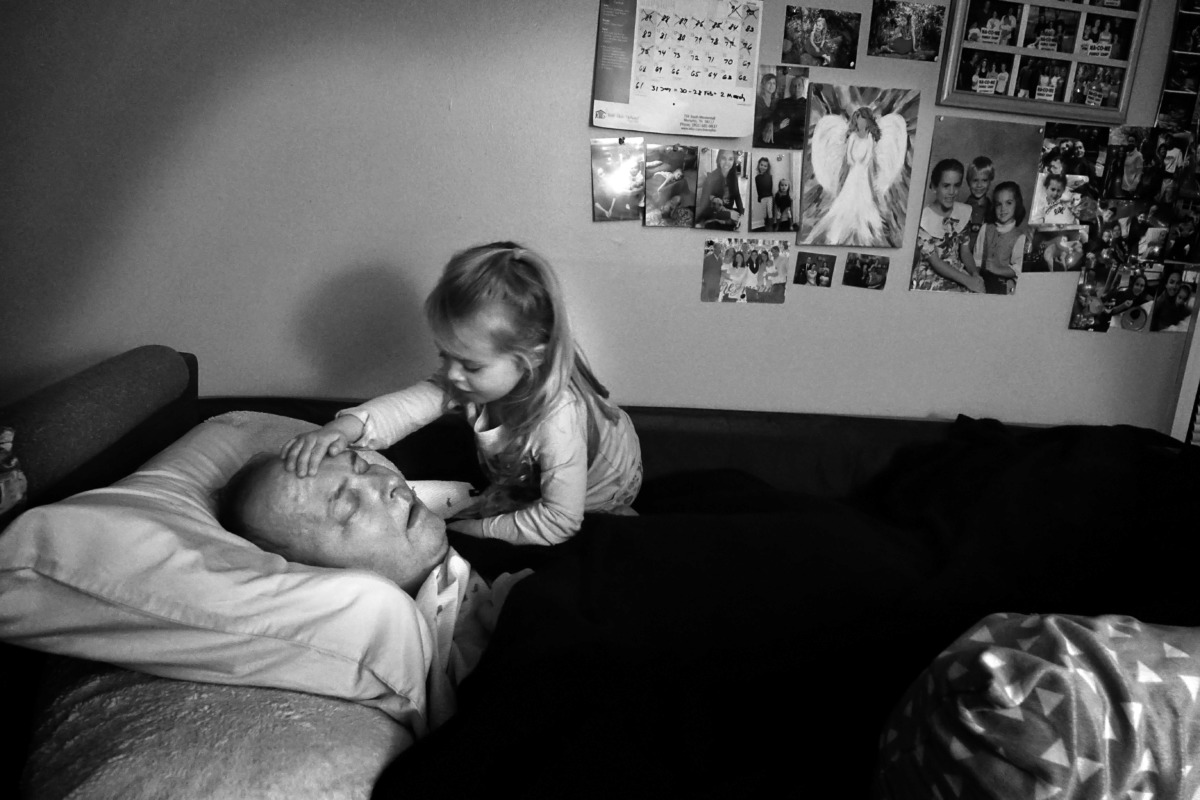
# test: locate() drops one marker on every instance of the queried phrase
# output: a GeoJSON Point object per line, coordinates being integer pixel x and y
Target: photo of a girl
{"type": "Point", "coordinates": [724, 184]}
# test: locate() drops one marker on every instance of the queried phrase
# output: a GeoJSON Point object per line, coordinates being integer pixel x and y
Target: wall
{"type": "Point", "coordinates": [274, 186]}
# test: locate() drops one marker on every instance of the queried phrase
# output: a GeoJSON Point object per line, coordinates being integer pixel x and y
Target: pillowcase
{"type": "Point", "coordinates": [141, 575]}
{"type": "Point", "coordinates": [1058, 706]}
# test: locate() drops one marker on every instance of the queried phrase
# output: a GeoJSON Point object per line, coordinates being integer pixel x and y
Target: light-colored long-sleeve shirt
{"type": "Point", "coordinates": [566, 483]}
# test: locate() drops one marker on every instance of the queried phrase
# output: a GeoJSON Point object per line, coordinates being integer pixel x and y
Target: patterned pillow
{"type": "Point", "coordinates": [1051, 706]}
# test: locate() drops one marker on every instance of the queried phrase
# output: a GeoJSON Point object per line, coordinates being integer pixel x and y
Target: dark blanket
{"type": "Point", "coordinates": [675, 654]}
{"type": "Point", "coordinates": [730, 652]}
{"type": "Point", "coordinates": [1084, 520]}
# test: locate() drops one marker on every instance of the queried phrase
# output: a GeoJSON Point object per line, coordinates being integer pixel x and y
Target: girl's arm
{"type": "Point", "coordinates": [378, 423]}
{"type": "Point", "coordinates": [389, 418]}
{"type": "Point", "coordinates": [979, 254]}
{"type": "Point", "coordinates": [939, 266]}
{"type": "Point", "coordinates": [968, 258]}
{"type": "Point", "coordinates": [560, 448]}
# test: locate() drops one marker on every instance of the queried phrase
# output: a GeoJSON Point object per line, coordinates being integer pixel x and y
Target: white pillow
{"type": "Point", "coordinates": [141, 575]}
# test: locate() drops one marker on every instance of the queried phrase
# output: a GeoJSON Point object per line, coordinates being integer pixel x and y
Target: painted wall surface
{"type": "Point", "coordinates": [274, 186]}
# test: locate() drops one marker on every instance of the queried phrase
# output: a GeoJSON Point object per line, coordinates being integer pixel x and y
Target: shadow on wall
{"type": "Point", "coordinates": [98, 101]}
{"type": "Point", "coordinates": [364, 327]}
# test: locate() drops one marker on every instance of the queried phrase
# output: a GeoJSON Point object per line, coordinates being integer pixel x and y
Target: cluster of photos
{"type": "Point", "coordinates": [1117, 205]}
{"type": "Point", "coordinates": [830, 165]}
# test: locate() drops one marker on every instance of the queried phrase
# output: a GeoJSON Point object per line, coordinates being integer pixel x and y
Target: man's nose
{"type": "Point", "coordinates": [392, 486]}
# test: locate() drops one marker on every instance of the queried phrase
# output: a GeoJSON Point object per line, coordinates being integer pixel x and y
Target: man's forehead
{"type": "Point", "coordinates": [291, 495]}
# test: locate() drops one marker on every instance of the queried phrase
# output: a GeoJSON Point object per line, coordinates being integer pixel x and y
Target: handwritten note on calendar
{"type": "Point", "coordinates": [677, 66]}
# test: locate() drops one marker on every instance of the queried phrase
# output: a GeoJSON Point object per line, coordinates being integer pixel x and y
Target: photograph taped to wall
{"type": "Point", "coordinates": [670, 186]}
{"type": "Point", "coordinates": [1077, 150]}
{"type": "Point", "coordinates": [908, 30]}
{"type": "Point", "coordinates": [772, 201]}
{"type": "Point", "coordinates": [1091, 305]}
{"type": "Point", "coordinates": [865, 270]}
{"type": "Point", "coordinates": [618, 179]}
{"type": "Point", "coordinates": [1059, 199]}
{"type": "Point", "coordinates": [970, 160]}
{"type": "Point", "coordinates": [1128, 232]}
{"type": "Point", "coordinates": [1183, 241]}
{"type": "Point", "coordinates": [1055, 248]}
{"type": "Point", "coordinates": [723, 187]}
{"type": "Point", "coordinates": [1129, 301]}
{"type": "Point", "coordinates": [1151, 164]}
{"type": "Point", "coordinates": [1174, 288]}
{"type": "Point", "coordinates": [858, 165]}
{"type": "Point", "coordinates": [820, 37]}
{"type": "Point", "coordinates": [738, 270]}
{"type": "Point", "coordinates": [1129, 167]}
{"type": "Point", "coordinates": [814, 269]}
{"type": "Point", "coordinates": [781, 107]}
{"type": "Point", "coordinates": [677, 66]}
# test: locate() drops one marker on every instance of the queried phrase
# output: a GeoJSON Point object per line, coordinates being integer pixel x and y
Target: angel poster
{"type": "Point", "coordinates": [857, 165]}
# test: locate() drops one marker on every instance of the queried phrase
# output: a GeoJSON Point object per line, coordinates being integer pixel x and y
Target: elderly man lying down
{"type": "Point", "coordinates": [358, 514]}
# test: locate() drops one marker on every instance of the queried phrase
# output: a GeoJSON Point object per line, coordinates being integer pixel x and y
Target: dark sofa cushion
{"type": "Point", "coordinates": [1055, 520]}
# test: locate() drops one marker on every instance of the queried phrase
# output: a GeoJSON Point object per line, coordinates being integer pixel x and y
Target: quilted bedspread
{"type": "Point", "coordinates": [1064, 707]}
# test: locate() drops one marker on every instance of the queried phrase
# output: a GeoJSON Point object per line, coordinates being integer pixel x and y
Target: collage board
{"type": "Point", "coordinates": [830, 165]}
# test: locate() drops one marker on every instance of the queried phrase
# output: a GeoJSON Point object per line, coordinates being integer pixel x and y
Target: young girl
{"type": "Point", "coordinates": [760, 212]}
{"type": "Point", "coordinates": [550, 443]}
{"type": "Point", "coordinates": [1000, 247]}
{"type": "Point", "coordinates": [720, 197]}
{"type": "Point", "coordinates": [783, 206]}
{"type": "Point", "coordinates": [734, 288]}
{"type": "Point", "coordinates": [1057, 205]}
{"type": "Point", "coordinates": [944, 258]}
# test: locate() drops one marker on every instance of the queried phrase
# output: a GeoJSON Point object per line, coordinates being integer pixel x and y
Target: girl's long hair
{"type": "Point", "coordinates": [538, 333]}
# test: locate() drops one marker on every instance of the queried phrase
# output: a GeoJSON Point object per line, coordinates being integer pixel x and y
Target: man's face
{"type": "Point", "coordinates": [351, 514]}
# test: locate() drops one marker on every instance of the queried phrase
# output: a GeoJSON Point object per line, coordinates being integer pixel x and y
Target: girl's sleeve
{"type": "Point", "coordinates": [389, 418]}
{"type": "Point", "coordinates": [926, 242]}
{"type": "Point", "coordinates": [560, 448]}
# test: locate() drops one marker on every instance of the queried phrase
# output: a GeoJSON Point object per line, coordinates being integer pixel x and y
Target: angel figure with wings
{"type": "Point", "coordinates": [856, 161]}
